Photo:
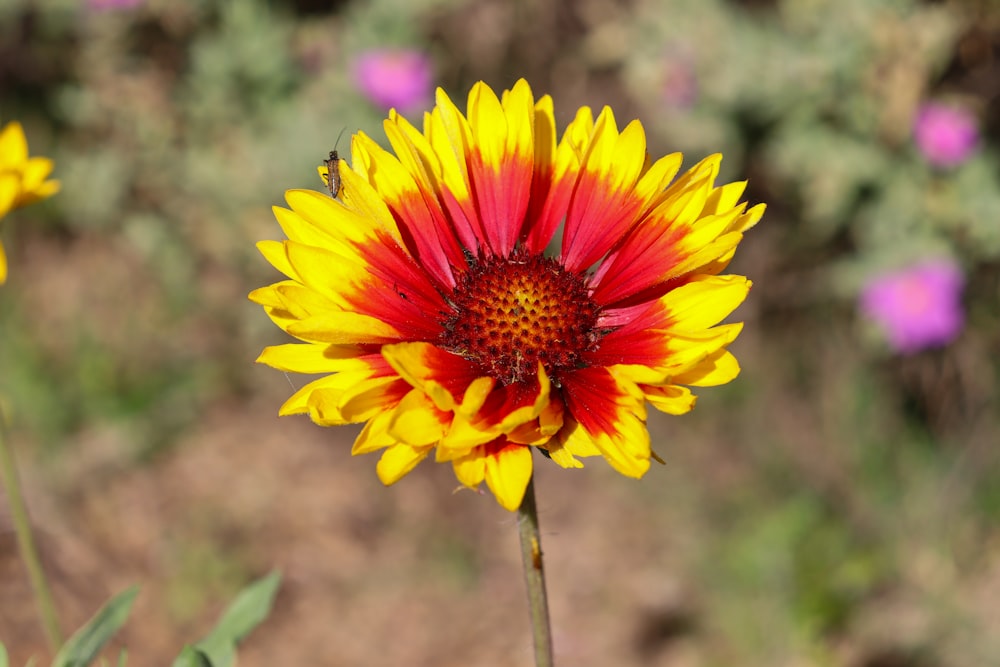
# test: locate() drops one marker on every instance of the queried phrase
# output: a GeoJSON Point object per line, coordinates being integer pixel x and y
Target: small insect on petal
{"type": "Point", "coordinates": [333, 169]}
{"type": "Point", "coordinates": [333, 174]}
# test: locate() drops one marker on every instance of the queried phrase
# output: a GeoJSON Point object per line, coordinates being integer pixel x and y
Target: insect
{"type": "Point", "coordinates": [333, 171]}
{"type": "Point", "coordinates": [333, 174]}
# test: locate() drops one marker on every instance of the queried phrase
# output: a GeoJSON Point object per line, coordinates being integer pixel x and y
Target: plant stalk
{"type": "Point", "coordinates": [26, 541]}
{"type": "Point", "coordinates": [534, 576]}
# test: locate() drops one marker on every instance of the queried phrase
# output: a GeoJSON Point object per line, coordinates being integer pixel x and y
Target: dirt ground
{"type": "Point", "coordinates": [416, 574]}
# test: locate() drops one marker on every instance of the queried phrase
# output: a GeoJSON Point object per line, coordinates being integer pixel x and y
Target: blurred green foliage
{"type": "Point", "coordinates": [249, 609]}
{"type": "Point", "coordinates": [822, 95]}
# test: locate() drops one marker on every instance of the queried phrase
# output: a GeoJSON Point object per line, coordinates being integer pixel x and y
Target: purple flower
{"type": "Point", "coordinates": [397, 79]}
{"type": "Point", "coordinates": [100, 5]}
{"type": "Point", "coordinates": [679, 82]}
{"type": "Point", "coordinates": [916, 307]}
{"type": "Point", "coordinates": [946, 135]}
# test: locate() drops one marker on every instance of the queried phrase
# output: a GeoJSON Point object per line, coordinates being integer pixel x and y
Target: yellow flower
{"type": "Point", "coordinates": [427, 300]}
{"type": "Point", "coordinates": [22, 178]}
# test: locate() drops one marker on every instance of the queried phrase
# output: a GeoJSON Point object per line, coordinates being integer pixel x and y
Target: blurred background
{"type": "Point", "coordinates": [836, 505]}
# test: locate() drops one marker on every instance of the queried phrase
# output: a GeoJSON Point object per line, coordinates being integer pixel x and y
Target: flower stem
{"type": "Point", "coordinates": [534, 576]}
{"type": "Point", "coordinates": [26, 541]}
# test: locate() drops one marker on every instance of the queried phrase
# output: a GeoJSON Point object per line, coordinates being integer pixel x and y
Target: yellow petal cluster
{"type": "Point", "coordinates": [23, 180]}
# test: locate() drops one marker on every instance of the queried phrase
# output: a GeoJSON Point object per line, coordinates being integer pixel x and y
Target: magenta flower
{"type": "Point", "coordinates": [100, 5]}
{"type": "Point", "coordinates": [679, 82]}
{"type": "Point", "coordinates": [917, 307]}
{"type": "Point", "coordinates": [399, 79]}
{"type": "Point", "coordinates": [946, 135]}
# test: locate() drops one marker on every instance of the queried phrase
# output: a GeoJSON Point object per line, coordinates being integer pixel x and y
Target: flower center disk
{"type": "Point", "coordinates": [510, 313]}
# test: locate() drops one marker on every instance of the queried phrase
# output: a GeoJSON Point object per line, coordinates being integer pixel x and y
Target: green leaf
{"type": "Point", "coordinates": [247, 611]}
{"type": "Point", "coordinates": [3, 651]}
{"type": "Point", "coordinates": [84, 646]}
{"type": "Point", "coordinates": [192, 657]}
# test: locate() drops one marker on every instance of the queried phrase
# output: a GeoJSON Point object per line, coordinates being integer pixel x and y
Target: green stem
{"type": "Point", "coordinates": [534, 576]}
{"type": "Point", "coordinates": [26, 541]}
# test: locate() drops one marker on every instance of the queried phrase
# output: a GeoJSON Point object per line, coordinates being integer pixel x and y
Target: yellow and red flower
{"type": "Point", "coordinates": [23, 179]}
{"type": "Point", "coordinates": [428, 299]}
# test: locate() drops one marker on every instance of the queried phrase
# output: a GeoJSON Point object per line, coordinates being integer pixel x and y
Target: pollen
{"type": "Point", "coordinates": [510, 313]}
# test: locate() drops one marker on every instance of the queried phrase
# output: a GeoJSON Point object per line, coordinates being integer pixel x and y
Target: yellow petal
{"type": "Point", "coordinates": [413, 151]}
{"type": "Point", "coordinates": [508, 473]}
{"type": "Point", "coordinates": [298, 403]}
{"type": "Point", "coordinates": [324, 271]}
{"type": "Point", "coordinates": [516, 418]}
{"type": "Point", "coordinates": [540, 431]}
{"type": "Point", "coordinates": [577, 135]}
{"type": "Point", "coordinates": [705, 301]}
{"type": "Point", "coordinates": [312, 357]}
{"type": "Point", "coordinates": [562, 455]}
{"type": "Point", "coordinates": [715, 369]}
{"type": "Point", "coordinates": [298, 228]}
{"type": "Point", "coordinates": [364, 201]}
{"type": "Point", "coordinates": [627, 449]}
{"type": "Point", "coordinates": [366, 399]}
{"type": "Point", "coordinates": [375, 435]}
{"type": "Point", "coordinates": [488, 123]}
{"type": "Point", "coordinates": [464, 435]}
{"type": "Point", "coordinates": [544, 134]}
{"type": "Point", "coordinates": [10, 186]}
{"type": "Point", "coordinates": [475, 395]}
{"type": "Point", "coordinates": [13, 146]}
{"type": "Point", "coordinates": [670, 399]}
{"type": "Point", "coordinates": [454, 174]}
{"type": "Point", "coordinates": [416, 421]}
{"type": "Point", "coordinates": [398, 460]}
{"type": "Point", "coordinates": [470, 469]}
{"type": "Point", "coordinates": [577, 442]}
{"type": "Point", "coordinates": [519, 109]}
{"type": "Point", "coordinates": [343, 328]}
{"type": "Point", "coordinates": [274, 253]}
{"type": "Point", "coordinates": [658, 176]}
